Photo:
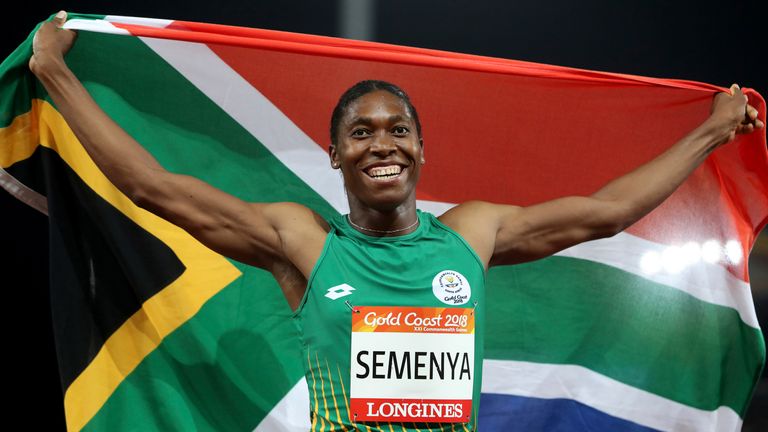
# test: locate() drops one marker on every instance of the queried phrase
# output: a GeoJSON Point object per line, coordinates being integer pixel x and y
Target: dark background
{"type": "Point", "coordinates": [719, 42]}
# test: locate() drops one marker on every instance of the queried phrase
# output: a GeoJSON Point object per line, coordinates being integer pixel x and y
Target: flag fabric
{"type": "Point", "coordinates": [652, 329]}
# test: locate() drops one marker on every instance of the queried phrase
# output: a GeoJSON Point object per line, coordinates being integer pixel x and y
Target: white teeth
{"type": "Point", "coordinates": [385, 172]}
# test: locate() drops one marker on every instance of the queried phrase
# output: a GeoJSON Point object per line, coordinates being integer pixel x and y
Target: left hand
{"type": "Point", "coordinates": [50, 43]}
{"type": "Point", "coordinates": [734, 113]}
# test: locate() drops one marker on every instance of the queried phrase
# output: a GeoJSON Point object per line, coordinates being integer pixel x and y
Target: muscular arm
{"type": "Point", "coordinates": [507, 234]}
{"type": "Point", "coordinates": [254, 233]}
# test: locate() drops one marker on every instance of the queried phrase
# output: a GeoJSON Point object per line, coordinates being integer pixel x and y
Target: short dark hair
{"type": "Point", "coordinates": [362, 88]}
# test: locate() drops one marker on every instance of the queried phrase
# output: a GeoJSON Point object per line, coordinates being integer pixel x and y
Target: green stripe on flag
{"type": "Point", "coordinates": [240, 352]}
{"type": "Point", "coordinates": [571, 311]}
{"type": "Point", "coordinates": [179, 125]}
{"type": "Point", "coordinates": [222, 370]}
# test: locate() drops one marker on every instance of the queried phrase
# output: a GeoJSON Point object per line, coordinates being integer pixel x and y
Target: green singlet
{"type": "Point", "coordinates": [412, 270]}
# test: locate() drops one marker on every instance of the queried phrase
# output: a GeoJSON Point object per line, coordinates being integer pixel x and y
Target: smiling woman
{"type": "Point", "coordinates": [386, 256]}
{"type": "Point", "coordinates": [377, 145]}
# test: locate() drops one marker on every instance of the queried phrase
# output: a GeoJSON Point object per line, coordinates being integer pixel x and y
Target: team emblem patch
{"type": "Point", "coordinates": [451, 287]}
{"type": "Point", "coordinates": [339, 291]}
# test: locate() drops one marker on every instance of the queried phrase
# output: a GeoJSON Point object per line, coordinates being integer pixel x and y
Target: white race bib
{"type": "Point", "coordinates": [412, 364]}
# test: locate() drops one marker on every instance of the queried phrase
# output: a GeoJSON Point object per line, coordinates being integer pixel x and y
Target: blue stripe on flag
{"type": "Point", "coordinates": [516, 413]}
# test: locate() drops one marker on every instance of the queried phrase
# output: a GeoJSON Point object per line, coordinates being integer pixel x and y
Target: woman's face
{"type": "Point", "coordinates": [378, 151]}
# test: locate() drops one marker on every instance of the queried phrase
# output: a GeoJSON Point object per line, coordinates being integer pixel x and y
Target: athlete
{"type": "Point", "coordinates": [385, 253]}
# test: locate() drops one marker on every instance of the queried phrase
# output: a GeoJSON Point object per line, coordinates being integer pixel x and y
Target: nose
{"type": "Point", "coordinates": [383, 144]}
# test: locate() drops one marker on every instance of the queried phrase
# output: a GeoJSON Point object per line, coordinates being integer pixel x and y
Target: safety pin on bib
{"type": "Point", "coordinates": [473, 308]}
{"type": "Point", "coordinates": [352, 308]}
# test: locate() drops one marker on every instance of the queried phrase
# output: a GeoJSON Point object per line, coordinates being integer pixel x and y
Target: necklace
{"type": "Point", "coordinates": [382, 231]}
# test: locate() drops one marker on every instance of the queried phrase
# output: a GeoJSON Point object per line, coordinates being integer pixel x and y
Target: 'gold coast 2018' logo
{"type": "Point", "coordinates": [451, 287]}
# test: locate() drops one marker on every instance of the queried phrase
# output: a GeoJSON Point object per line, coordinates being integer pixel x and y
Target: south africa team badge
{"type": "Point", "coordinates": [451, 287]}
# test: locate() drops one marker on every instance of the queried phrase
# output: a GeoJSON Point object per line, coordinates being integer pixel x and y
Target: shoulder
{"type": "Point", "coordinates": [291, 216]}
{"type": "Point", "coordinates": [478, 223]}
{"type": "Point", "coordinates": [472, 213]}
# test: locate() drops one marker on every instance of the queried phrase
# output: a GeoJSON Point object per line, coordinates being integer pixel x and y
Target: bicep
{"type": "Point", "coordinates": [228, 225]}
{"type": "Point", "coordinates": [538, 231]}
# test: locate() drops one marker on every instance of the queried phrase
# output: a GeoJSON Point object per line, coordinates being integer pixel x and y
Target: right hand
{"type": "Point", "coordinates": [51, 43]}
{"type": "Point", "coordinates": [732, 112]}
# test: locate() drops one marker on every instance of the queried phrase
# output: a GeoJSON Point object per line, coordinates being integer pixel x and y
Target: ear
{"type": "Point", "coordinates": [334, 156]}
{"type": "Point", "coordinates": [421, 143]}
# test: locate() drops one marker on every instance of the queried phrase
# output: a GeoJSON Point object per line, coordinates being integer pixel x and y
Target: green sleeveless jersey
{"type": "Point", "coordinates": [431, 269]}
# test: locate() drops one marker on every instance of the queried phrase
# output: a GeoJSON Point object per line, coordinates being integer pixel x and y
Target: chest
{"type": "Point", "coordinates": [429, 273]}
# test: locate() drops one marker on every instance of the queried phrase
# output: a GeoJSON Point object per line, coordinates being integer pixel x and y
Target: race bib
{"type": "Point", "coordinates": [412, 364]}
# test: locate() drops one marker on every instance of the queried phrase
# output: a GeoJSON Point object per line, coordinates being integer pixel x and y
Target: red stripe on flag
{"type": "Point", "coordinates": [523, 140]}
{"type": "Point", "coordinates": [514, 132]}
{"type": "Point", "coordinates": [379, 52]}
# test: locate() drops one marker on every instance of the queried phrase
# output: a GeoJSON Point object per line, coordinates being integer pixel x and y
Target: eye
{"type": "Point", "coordinates": [359, 133]}
{"type": "Point", "coordinates": [400, 130]}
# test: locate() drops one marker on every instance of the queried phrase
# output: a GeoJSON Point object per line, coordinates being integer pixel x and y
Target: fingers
{"type": "Point", "coordinates": [738, 95]}
{"type": "Point", "coordinates": [747, 129]}
{"type": "Point", "coordinates": [751, 116]}
{"type": "Point", "coordinates": [51, 37]}
{"type": "Point", "coordinates": [751, 112]}
{"type": "Point", "coordinates": [751, 121]}
{"type": "Point", "coordinates": [60, 18]}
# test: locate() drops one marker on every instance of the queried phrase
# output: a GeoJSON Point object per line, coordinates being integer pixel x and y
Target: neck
{"type": "Point", "coordinates": [398, 221]}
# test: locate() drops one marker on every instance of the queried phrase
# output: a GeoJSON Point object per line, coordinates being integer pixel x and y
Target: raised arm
{"type": "Point", "coordinates": [504, 234]}
{"type": "Point", "coordinates": [259, 234]}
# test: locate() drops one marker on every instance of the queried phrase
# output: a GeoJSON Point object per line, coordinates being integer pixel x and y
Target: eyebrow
{"type": "Point", "coordinates": [368, 120]}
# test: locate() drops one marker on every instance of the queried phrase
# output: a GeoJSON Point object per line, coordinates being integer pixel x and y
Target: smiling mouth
{"type": "Point", "coordinates": [384, 172]}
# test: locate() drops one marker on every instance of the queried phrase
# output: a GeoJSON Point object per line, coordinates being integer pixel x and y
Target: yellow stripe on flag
{"type": "Point", "coordinates": [206, 274]}
{"type": "Point", "coordinates": [19, 139]}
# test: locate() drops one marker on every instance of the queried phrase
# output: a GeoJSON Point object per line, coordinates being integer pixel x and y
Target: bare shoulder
{"type": "Point", "coordinates": [478, 223]}
{"type": "Point", "coordinates": [474, 213]}
{"type": "Point", "coordinates": [292, 216]}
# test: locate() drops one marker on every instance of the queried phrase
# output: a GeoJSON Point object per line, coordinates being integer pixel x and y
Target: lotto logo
{"type": "Point", "coordinates": [339, 291]}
